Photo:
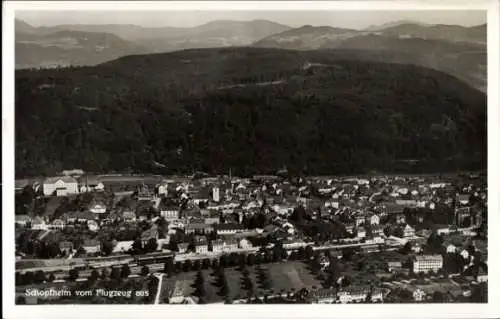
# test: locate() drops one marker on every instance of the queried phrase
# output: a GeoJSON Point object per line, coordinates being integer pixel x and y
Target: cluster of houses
{"type": "Point", "coordinates": [214, 210]}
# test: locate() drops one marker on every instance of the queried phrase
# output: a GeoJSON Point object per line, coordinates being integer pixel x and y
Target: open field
{"type": "Point", "coordinates": [282, 278]}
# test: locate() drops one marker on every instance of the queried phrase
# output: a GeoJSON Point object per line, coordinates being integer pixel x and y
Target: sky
{"type": "Point", "coordinates": [346, 19]}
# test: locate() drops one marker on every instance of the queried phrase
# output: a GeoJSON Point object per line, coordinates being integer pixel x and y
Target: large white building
{"type": "Point", "coordinates": [60, 186]}
{"type": "Point", "coordinates": [216, 194]}
{"type": "Point", "coordinates": [426, 263]}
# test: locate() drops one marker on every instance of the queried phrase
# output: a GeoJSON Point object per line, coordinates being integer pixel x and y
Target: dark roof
{"type": "Point", "coordinates": [228, 226]}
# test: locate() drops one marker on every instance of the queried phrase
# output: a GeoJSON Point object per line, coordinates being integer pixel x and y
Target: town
{"type": "Point", "coordinates": [264, 239]}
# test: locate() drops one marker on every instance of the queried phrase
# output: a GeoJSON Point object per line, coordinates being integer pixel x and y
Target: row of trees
{"type": "Point", "coordinates": [115, 273]}
{"type": "Point", "coordinates": [275, 254]}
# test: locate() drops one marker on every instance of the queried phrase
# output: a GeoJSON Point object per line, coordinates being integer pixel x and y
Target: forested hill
{"type": "Point", "coordinates": [248, 109]}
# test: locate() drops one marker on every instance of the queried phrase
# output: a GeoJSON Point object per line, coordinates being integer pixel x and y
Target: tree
{"type": "Point", "coordinates": [406, 249]}
{"type": "Point", "coordinates": [115, 274]}
{"type": "Point", "coordinates": [20, 300]}
{"type": "Point", "coordinates": [125, 272]}
{"type": "Point", "coordinates": [438, 296]}
{"type": "Point", "coordinates": [107, 247]}
{"type": "Point", "coordinates": [188, 265]}
{"type": "Point", "coordinates": [435, 242]}
{"type": "Point", "coordinates": [151, 245]}
{"type": "Point", "coordinates": [309, 252]}
{"type": "Point", "coordinates": [387, 231]}
{"type": "Point", "coordinates": [145, 271]}
{"type": "Point", "coordinates": [205, 263]}
{"type": "Point", "coordinates": [398, 232]}
{"type": "Point", "coordinates": [137, 246]}
{"type": "Point", "coordinates": [94, 275]}
{"type": "Point", "coordinates": [480, 293]}
{"type": "Point", "coordinates": [301, 253]}
{"type": "Point", "coordinates": [172, 245]}
{"type": "Point", "coordinates": [251, 259]}
{"type": "Point", "coordinates": [104, 273]}
{"type": "Point", "coordinates": [73, 274]}
{"type": "Point", "coordinates": [223, 261]}
{"type": "Point", "coordinates": [169, 266]}
{"type": "Point", "coordinates": [51, 278]}
{"type": "Point", "coordinates": [39, 277]}
{"type": "Point", "coordinates": [347, 254]}
{"type": "Point", "coordinates": [200, 285]}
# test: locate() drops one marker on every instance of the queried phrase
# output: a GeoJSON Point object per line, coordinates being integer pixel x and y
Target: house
{"type": "Point", "coordinates": [66, 247]}
{"type": "Point", "coordinates": [22, 220]}
{"type": "Point", "coordinates": [324, 262]}
{"type": "Point", "coordinates": [90, 184]}
{"type": "Point", "coordinates": [227, 245]}
{"type": "Point", "coordinates": [148, 234]}
{"type": "Point", "coordinates": [451, 248]}
{"type": "Point", "coordinates": [128, 216]}
{"type": "Point", "coordinates": [183, 247]}
{"type": "Point", "coordinates": [394, 266]}
{"type": "Point", "coordinates": [419, 295]}
{"type": "Point", "coordinates": [145, 194]}
{"type": "Point", "coordinates": [323, 296]}
{"type": "Point", "coordinates": [123, 246]}
{"type": "Point", "coordinates": [57, 224]}
{"type": "Point", "coordinates": [169, 212]}
{"type": "Point", "coordinates": [212, 220]}
{"type": "Point", "coordinates": [408, 231]}
{"type": "Point", "coordinates": [361, 232]}
{"type": "Point", "coordinates": [201, 244]}
{"type": "Point", "coordinates": [202, 196]}
{"type": "Point", "coordinates": [245, 244]}
{"type": "Point", "coordinates": [60, 186]}
{"type": "Point", "coordinates": [463, 199]}
{"type": "Point", "coordinates": [97, 207]}
{"type": "Point", "coordinates": [353, 294]}
{"type": "Point", "coordinates": [80, 216]}
{"type": "Point", "coordinates": [377, 231]}
{"type": "Point", "coordinates": [39, 224]}
{"type": "Point", "coordinates": [216, 194]}
{"type": "Point", "coordinates": [228, 228]}
{"type": "Point", "coordinates": [91, 246]}
{"type": "Point", "coordinates": [198, 228]}
{"type": "Point", "coordinates": [92, 225]}
{"type": "Point", "coordinates": [400, 218]}
{"type": "Point", "coordinates": [360, 220]}
{"type": "Point", "coordinates": [373, 220]}
{"type": "Point", "coordinates": [482, 275]}
{"type": "Point", "coordinates": [427, 263]}
{"type": "Point", "coordinates": [411, 203]}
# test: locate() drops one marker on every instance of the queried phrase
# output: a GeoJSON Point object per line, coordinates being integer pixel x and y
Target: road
{"type": "Point", "coordinates": [158, 290]}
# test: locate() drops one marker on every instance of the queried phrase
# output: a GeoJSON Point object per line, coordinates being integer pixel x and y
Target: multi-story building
{"type": "Point", "coordinates": [426, 263]}
{"type": "Point", "coordinates": [201, 244]}
{"type": "Point", "coordinates": [228, 228]}
{"type": "Point", "coordinates": [60, 186]}
{"type": "Point", "coordinates": [169, 212]}
{"type": "Point", "coordinates": [198, 228]}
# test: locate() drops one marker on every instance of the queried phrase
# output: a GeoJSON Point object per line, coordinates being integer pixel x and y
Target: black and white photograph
{"type": "Point", "coordinates": [249, 155]}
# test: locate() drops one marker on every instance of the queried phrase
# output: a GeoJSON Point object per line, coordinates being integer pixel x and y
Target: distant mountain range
{"type": "Point", "coordinates": [94, 44]}
{"type": "Point", "coordinates": [457, 50]}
